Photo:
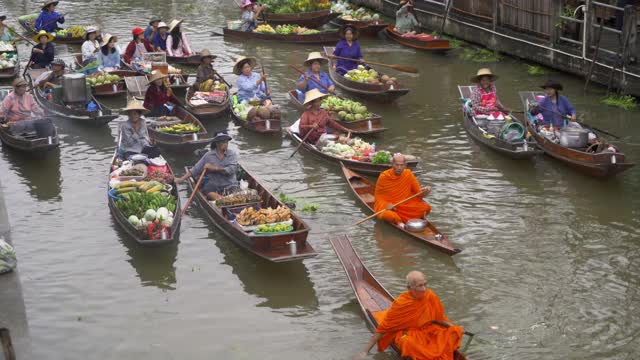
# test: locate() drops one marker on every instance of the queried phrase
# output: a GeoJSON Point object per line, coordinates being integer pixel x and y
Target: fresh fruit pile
{"type": "Point", "coordinates": [211, 85]}
{"type": "Point", "coordinates": [8, 61]}
{"type": "Point", "coordinates": [275, 228]}
{"type": "Point", "coordinates": [361, 74]}
{"type": "Point", "coordinates": [148, 187]}
{"type": "Point", "coordinates": [346, 110]}
{"type": "Point", "coordinates": [103, 79]}
{"type": "Point", "coordinates": [242, 109]}
{"type": "Point", "coordinates": [6, 46]}
{"type": "Point", "coordinates": [75, 31]}
{"type": "Point", "coordinates": [285, 30]}
{"type": "Point", "coordinates": [356, 149]}
{"type": "Point", "coordinates": [239, 197]}
{"type": "Point", "coordinates": [159, 176]}
{"type": "Point", "coordinates": [249, 216]}
{"type": "Point", "coordinates": [183, 128]}
{"type": "Point", "coordinates": [353, 13]}
{"type": "Point", "coordinates": [132, 172]}
{"type": "Point", "coordinates": [295, 6]}
{"type": "Point", "coordinates": [265, 29]}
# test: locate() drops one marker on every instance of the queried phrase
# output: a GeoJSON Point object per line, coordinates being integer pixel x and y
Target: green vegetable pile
{"type": "Point", "coordinates": [274, 228]}
{"type": "Point", "coordinates": [381, 157]}
{"type": "Point", "coordinates": [347, 110]}
{"type": "Point", "coordinates": [136, 203]}
{"type": "Point", "coordinates": [295, 6]}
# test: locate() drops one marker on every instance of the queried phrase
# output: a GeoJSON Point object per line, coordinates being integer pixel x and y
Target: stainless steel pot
{"type": "Point", "coordinates": [74, 88]}
{"type": "Point", "coordinates": [416, 225]}
{"type": "Point", "coordinates": [481, 121]}
{"type": "Point", "coordinates": [573, 137]}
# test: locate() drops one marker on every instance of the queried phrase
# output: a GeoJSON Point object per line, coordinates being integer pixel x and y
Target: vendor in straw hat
{"type": "Point", "coordinates": [134, 137]}
{"type": "Point", "coordinates": [19, 104]}
{"type": "Point", "coordinates": [205, 69]}
{"type": "Point", "coordinates": [159, 41]}
{"type": "Point", "coordinates": [221, 165]}
{"type": "Point", "coordinates": [406, 22]}
{"type": "Point", "coordinates": [314, 62]}
{"type": "Point", "coordinates": [90, 46]}
{"type": "Point", "coordinates": [177, 42]}
{"type": "Point", "coordinates": [159, 99]}
{"type": "Point", "coordinates": [483, 96]}
{"type": "Point", "coordinates": [251, 84]}
{"type": "Point", "coordinates": [316, 120]}
{"type": "Point", "coordinates": [5, 34]}
{"type": "Point", "coordinates": [48, 19]}
{"type": "Point", "coordinates": [53, 78]}
{"type": "Point", "coordinates": [555, 108]}
{"type": "Point", "coordinates": [250, 14]}
{"type": "Point", "coordinates": [136, 47]}
{"type": "Point", "coordinates": [348, 47]}
{"type": "Point", "coordinates": [43, 52]}
{"type": "Point", "coordinates": [109, 55]}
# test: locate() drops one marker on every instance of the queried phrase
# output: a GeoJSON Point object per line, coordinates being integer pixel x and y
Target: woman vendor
{"type": "Point", "coordinates": [48, 19]}
{"type": "Point", "coordinates": [19, 105]}
{"type": "Point", "coordinates": [5, 34]}
{"type": "Point", "coordinates": [316, 120]}
{"type": "Point", "coordinates": [42, 54]}
{"type": "Point", "coordinates": [555, 108]}
{"type": "Point", "coordinates": [483, 96]}
{"type": "Point", "coordinates": [159, 40]}
{"type": "Point", "coordinates": [250, 15]}
{"type": "Point", "coordinates": [177, 43]}
{"type": "Point", "coordinates": [136, 48]}
{"type": "Point", "coordinates": [314, 62]}
{"type": "Point", "coordinates": [109, 55]}
{"type": "Point", "coordinates": [251, 84]}
{"type": "Point", "coordinates": [348, 47]}
{"type": "Point", "coordinates": [158, 96]}
{"type": "Point", "coordinates": [406, 21]}
{"type": "Point", "coordinates": [134, 137]}
{"type": "Point", "coordinates": [90, 46]}
{"type": "Point", "coordinates": [205, 69]}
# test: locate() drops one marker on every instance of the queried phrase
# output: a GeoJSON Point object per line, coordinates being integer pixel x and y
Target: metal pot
{"type": "Point", "coordinates": [494, 126]}
{"type": "Point", "coordinates": [74, 88]}
{"type": "Point", "coordinates": [481, 121]}
{"type": "Point", "coordinates": [574, 138]}
{"type": "Point", "coordinates": [416, 225]}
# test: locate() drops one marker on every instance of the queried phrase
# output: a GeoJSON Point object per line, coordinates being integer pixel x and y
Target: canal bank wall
{"type": "Point", "coordinates": [539, 31]}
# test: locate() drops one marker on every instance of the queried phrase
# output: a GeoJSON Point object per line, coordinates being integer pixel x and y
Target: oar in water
{"type": "Point", "coordinates": [394, 205]}
{"type": "Point", "coordinates": [300, 145]}
{"type": "Point", "coordinates": [195, 190]}
{"type": "Point", "coordinates": [314, 80]}
{"type": "Point", "coordinates": [403, 68]}
{"type": "Point", "coordinates": [266, 86]}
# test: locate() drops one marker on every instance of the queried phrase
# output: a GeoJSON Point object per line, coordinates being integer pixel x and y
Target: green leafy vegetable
{"type": "Point", "coordinates": [381, 157]}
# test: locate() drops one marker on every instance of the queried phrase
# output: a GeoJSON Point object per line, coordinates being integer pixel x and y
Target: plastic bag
{"type": "Point", "coordinates": [8, 260]}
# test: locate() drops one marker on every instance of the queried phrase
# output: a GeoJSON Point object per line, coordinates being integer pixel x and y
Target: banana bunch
{"type": "Point", "coordinates": [75, 31]}
{"type": "Point", "coordinates": [184, 128]}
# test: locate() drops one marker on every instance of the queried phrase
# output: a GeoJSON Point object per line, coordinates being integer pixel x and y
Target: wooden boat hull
{"type": "Point", "coordinates": [321, 38]}
{"type": "Point", "coordinates": [359, 127]}
{"type": "Point", "coordinates": [364, 191]}
{"type": "Point", "coordinates": [208, 111]}
{"type": "Point", "coordinates": [311, 19]}
{"type": "Point", "coordinates": [365, 28]}
{"type": "Point", "coordinates": [192, 60]}
{"type": "Point", "coordinates": [269, 247]}
{"type": "Point", "coordinates": [180, 143]}
{"type": "Point", "coordinates": [270, 126]}
{"type": "Point", "coordinates": [377, 93]}
{"type": "Point", "coordinates": [31, 145]}
{"type": "Point", "coordinates": [435, 45]}
{"type": "Point", "coordinates": [371, 295]}
{"type": "Point", "coordinates": [59, 39]}
{"type": "Point", "coordinates": [599, 165]}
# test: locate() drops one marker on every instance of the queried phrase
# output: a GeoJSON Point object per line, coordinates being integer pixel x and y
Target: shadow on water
{"type": "Point", "coordinates": [31, 169]}
{"type": "Point", "coordinates": [97, 137]}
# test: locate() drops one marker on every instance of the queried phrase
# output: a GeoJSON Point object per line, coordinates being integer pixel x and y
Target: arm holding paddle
{"type": "Point", "coordinates": [426, 190]}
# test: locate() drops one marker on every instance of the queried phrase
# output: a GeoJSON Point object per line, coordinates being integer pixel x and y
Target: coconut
{"type": "Point", "coordinates": [264, 112]}
{"type": "Point", "coordinates": [252, 113]}
{"type": "Point", "coordinates": [385, 78]}
{"type": "Point", "coordinates": [373, 81]}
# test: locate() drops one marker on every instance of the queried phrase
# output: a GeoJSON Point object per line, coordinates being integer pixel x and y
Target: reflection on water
{"type": "Point", "coordinates": [31, 169]}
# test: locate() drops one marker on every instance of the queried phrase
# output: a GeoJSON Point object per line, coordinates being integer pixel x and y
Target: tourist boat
{"type": "Point", "coordinates": [513, 150]}
{"type": "Point", "coordinates": [207, 111]}
{"type": "Point", "coordinates": [191, 60]}
{"type": "Point", "coordinates": [325, 37]}
{"type": "Point", "coordinates": [310, 19]}
{"type": "Point", "coordinates": [371, 295]}
{"type": "Point", "coordinates": [365, 28]}
{"type": "Point", "coordinates": [171, 143]}
{"type": "Point", "coordinates": [28, 23]}
{"type": "Point", "coordinates": [13, 71]}
{"type": "Point", "coordinates": [369, 126]}
{"type": "Point", "coordinates": [375, 92]}
{"type": "Point", "coordinates": [435, 44]}
{"type": "Point", "coordinates": [362, 166]}
{"type": "Point", "coordinates": [589, 160]}
{"type": "Point", "coordinates": [273, 247]}
{"type": "Point", "coordinates": [365, 189]}
{"type": "Point", "coordinates": [264, 126]}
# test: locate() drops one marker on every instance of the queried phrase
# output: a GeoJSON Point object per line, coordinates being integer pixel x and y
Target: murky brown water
{"type": "Point", "coordinates": [550, 258]}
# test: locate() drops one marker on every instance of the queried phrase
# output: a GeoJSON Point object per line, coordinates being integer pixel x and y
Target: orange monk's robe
{"type": "Point", "coordinates": [407, 324]}
{"type": "Point", "coordinates": [391, 189]}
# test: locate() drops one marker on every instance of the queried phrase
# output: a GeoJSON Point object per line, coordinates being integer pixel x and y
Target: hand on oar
{"type": "Point", "coordinates": [20, 36]}
{"type": "Point", "coordinates": [426, 189]}
{"type": "Point", "coordinates": [403, 68]}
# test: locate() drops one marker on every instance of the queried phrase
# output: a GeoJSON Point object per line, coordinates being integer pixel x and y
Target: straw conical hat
{"type": "Point", "coordinates": [37, 36]}
{"type": "Point", "coordinates": [155, 75]}
{"type": "Point", "coordinates": [49, 2]}
{"type": "Point", "coordinates": [484, 72]}
{"type": "Point", "coordinates": [106, 38]}
{"type": "Point", "coordinates": [135, 105]}
{"type": "Point", "coordinates": [206, 53]}
{"type": "Point", "coordinates": [236, 68]}
{"type": "Point", "coordinates": [174, 23]}
{"type": "Point", "coordinates": [315, 56]}
{"type": "Point", "coordinates": [313, 94]}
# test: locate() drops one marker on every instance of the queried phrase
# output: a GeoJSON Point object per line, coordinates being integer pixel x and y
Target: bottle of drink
{"type": "Point", "coordinates": [373, 147]}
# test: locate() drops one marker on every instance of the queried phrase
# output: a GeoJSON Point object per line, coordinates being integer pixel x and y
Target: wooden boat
{"type": "Point", "coordinates": [28, 23]}
{"type": "Point", "coordinates": [361, 166]}
{"type": "Point", "coordinates": [369, 126]}
{"type": "Point", "coordinates": [177, 142]}
{"type": "Point", "coordinates": [208, 111]}
{"type": "Point", "coordinates": [272, 247]}
{"type": "Point", "coordinates": [365, 28]}
{"type": "Point", "coordinates": [512, 150]}
{"type": "Point", "coordinates": [598, 164]}
{"type": "Point", "coordinates": [364, 190]}
{"type": "Point", "coordinates": [435, 45]}
{"type": "Point", "coordinates": [78, 112]}
{"type": "Point", "coordinates": [375, 92]}
{"type": "Point", "coordinates": [263, 126]}
{"type": "Point", "coordinates": [137, 85]}
{"type": "Point", "coordinates": [191, 60]}
{"type": "Point", "coordinates": [371, 295]}
{"type": "Point", "coordinates": [108, 90]}
{"type": "Point", "coordinates": [310, 19]}
{"type": "Point", "coordinates": [11, 72]}
{"type": "Point", "coordinates": [326, 37]}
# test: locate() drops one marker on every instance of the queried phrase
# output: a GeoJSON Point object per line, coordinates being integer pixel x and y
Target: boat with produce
{"type": "Point", "coordinates": [309, 13]}
{"type": "Point", "coordinates": [371, 295]}
{"type": "Point", "coordinates": [366, 83]}
{"type": "Point", "coordinates": [9, 64]}
{"type": "Point", "coordinates": [359, 155]}
{"type": "Point", "coordinates": [191, 60]}
{"type": "Point", "coordinates": [367, 22]}
{"type": "Point", "coordinates": [210, 101]}
{"type": "Point", "coordinates": [105, 83]}
{"type": "Point", "coordinates": [365, 190]}
{"type": "Point", "coordinates": [286, 34]}
{"type": "Point", "coordinates": [180, 132]}
{"type": "Point", "coordinates": [54, 103]}
{"type": "Point", "coordinates": [421, 41]}
{"type": "Point", "coordinates": [596, 158]}
{"type": "Point", "coordinates": [258, 221]}
{"type": "Point", "coordinates": [359, 120]}
{"type": "Point", "coordinates": [260, 119]}
{"type": "Point", "coordinates": [71, 35]}
{"type": "Point", "coordinates": [143, 199]}
{"type": "Point", "coordinates": [494, 133]}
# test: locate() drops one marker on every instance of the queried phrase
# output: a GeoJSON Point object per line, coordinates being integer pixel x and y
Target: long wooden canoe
{"type": "Point", "coordinates": [171, 143]}
{"type": "Point", "coordinates": [28, 23]}
{"type": "Point", "coordinates": [326, 37]}
{"type": "Point", "coordinates": [310, 19]}
{"type": "Point", "coordinates": [365, 189]}
{"type": "Point", "coordinates": [365, 28]}
{"type": "Point", "coordinates": [369, 126]}
{"type": "Point", "coordinates": [263, 126]}
{"type": "Point", "coordinates": [512, 150]}
{"type": "Point", "coordinates": [371, 295]}
{"type": "Point", "coordinates": [435, 45]}
{"type": "Point", "coordinates": [602, 164]}
{"type": "Point", "coordinates": [191, 60]}
{"type": "Point", "coordinates": [207, 111]}
{"type": "Point", "coordinates": [375, 92]}
{"type": "Point", "coordinates": [361, 166]}
{"type": "Point", "coordinates": [272, 247]}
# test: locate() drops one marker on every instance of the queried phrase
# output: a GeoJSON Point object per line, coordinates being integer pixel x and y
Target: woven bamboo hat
{"type": "Point", "coordinates": [106, 38]}
{"type": "Point", "coordinates": [237, 68]}
{"type": "Point", "coordinates": [162, 24]}
{"type": "Point", "coordinates": [315, 56]}
{"type": "Point", "coordinates": [206, 53]}
{"type": "Point", "coordinates": [484, 72]}
{"type": "Point", "coordinates": [313, 94]}
{"type": "Point", "coordinates": [49, 2]}
{"type": "Point", "coordinates": [19, 82]}
{"type": "Point", "coordinates": [174, 23]}
{"type": "Point", "coordinates": [155, 75]}
{"type": "Point", "coordinates": [40, 33]}
{"type": "Point", "coordinates": [135, 105]}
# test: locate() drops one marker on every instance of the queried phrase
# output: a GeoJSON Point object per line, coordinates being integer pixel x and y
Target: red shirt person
{"type": "Point", "coordinates": [316, 120]}
{"type": "Point", "coordinates": [158, 95]}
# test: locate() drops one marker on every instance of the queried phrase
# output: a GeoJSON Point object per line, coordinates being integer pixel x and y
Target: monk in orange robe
{"type": "Point", "coordinates": [395, 185]}
{"type": "Point", "coordinates": [410, 324]}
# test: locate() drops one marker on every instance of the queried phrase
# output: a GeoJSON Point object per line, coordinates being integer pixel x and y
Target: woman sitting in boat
{"type": "Point", "coordinates": [5, 34]}
{"type": "Point", "coordinates": [42, 53]}
{"type": "Point", "coordinates": [53, 78]}
{"type": "Point", "coordinates": [152, 28]}
{"type": "Point", "coordinates": [250, 13]}
{"type": "Point", "coordinates": [483, 96]}
{"type": "Point", "coordinates": [177, 43]}
{"type": "Point", "coordinates": [221, 165]}
{"type": "Point", "coordinates": [109, 55]}
{"type": "Point", "coordinates": [136, 48]}
{"type": "Point", "coordinates": [251, 84]}
{"type": "Point", "coordinates": [159, 41]}
{"type": "Point", "coordinates": [205, 69]}
{"type": "Point", "coordinates": [90, 46]}
{"type": "Point", "coordinates": [348, 47]}
{"type": "Point", "coordinates": [316, 120]}
{"type": "Point", "coordinates": [134, 137]}
{"type": "Point", "coordinates": [48, 19]}
{"type": "Point", "coordinates": [314, 62]}
{"type": "Point", "coordinates": [159, 99]}
{"type": "Point", "coordinates": [555, 108]}
{"type": "Point", "coordinates": [19, 104]}
{"type": "Point", "coordinates": [406, 21]}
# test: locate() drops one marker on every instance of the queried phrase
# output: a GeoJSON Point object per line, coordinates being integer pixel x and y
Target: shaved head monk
{"type": "Point", "coordinates": [416, 324]}
{"type": "Point", "coordinates": [395, 185]}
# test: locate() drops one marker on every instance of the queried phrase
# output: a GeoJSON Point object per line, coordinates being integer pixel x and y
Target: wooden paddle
{"type": "Point", "coordinates": [20, 36]}
{"type": "Point", "coordinates": [266, 86]}
{"type": "Point", "coordinates": [394, 205]}
{"type": "Point", "coordinates": [195, 191]}
{"type": "Point", "coordinates": [402, 68]}
{"type": "Point", "coordinates": [314, 80]}
{"type": "Point", "coordinates": [300, 145]}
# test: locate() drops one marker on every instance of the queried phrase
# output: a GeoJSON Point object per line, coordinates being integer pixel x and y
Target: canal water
{"type": "Point", "coordinates": [550, 267]}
